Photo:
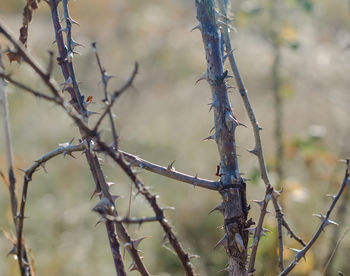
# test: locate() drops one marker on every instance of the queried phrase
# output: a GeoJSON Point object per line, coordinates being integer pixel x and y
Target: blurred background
{"type": "Point", "coordinates": [294, 58]}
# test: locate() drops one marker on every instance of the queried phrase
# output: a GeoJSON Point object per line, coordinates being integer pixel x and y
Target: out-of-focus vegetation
{"type": "Point", "coordinates": [165, 117]}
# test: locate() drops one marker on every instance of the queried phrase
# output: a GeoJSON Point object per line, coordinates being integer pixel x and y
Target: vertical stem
{"type": "Point", "coordinates": [23, 261]}
{"type": "Point", "coordinates": [233, 190]}
{"type": "Point", "coordinates": [278, 104]}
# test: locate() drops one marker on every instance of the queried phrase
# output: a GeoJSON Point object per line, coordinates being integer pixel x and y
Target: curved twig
{"type": "Point", "coordinates": [325, 221]}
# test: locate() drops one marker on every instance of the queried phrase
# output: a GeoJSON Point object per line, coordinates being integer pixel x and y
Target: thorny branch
{"type": "Point", "coordinates": [29, 59]}
{"type": "Point", "coordinates": [171, 172]}
{"type": "Point", "coordinates": [24, 263]}
{"type": "Point", "coordinates": [66, 62]}
{"type": "Point", "coordinates": [64, 149]}
{"type": "Point", "coordinates": [137, 264]}
{"type": "Point", "coordinates": [325, 221]}
{"type": "Point", "coordinates": [106, 207]}
{"type": "Point", "coordinates": [152, 200]}
{"type": "Point", "coordinates": [115, 95]}
{"type": "Point", "coordinates": [105, 78]}
{"type": "Point", "coordinates": [259, 228]}
{"type": "Point", "coordinates": [258, 146]}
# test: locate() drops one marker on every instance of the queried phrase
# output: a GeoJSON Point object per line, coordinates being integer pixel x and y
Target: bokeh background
{"type": "Point", "coordinates": [164, 117]}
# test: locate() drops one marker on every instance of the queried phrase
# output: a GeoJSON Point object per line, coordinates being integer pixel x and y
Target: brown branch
{"type": "Point", "coordinates": [139, 221]}
{"type": "Point", "coordinates": [95, 167]}
{"type": "Point", "coordinates": [233, 192]}
{"type": "Point", "coordinates": [28, 89]}
{"type": "Point", "coordinates": [66, 148]}
{"type": "Point", "coordinates": [325, 221]}
{"type": "Point", "coordinates": [24, 264]}
{"type": "Point", "coordinates": [171, 173]}
{"type": "Point", "coordinates": [259, 229]}
{"type": "Point", "coordinates": [105, 78]}
{"type": "Point", "coordinates": [152, 200]}
{"type": "Point", "coordinates": [257, 150]}
{"type": "Point", "coordinates": [334, 250]}
{"type": "Point", "coordinates": [29, 59]}
{"type": "Point", "coordinates": [116, 94]}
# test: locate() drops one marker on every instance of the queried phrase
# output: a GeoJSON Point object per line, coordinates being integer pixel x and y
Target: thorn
{"type": "Point", "coordinates": [276, 194]}
{"type": "Point", "coordinates": [222, 16]}
{"type": "Point", "coordinates": [63, 30]}
{"type": "Point", "coordinates": [199, 27]}
{"type": "Point", "coordinates": [223, 24]}
{"type": "Point", "coordinates": [69, 153]}
{"type": "Point", "coordinates": [13, 251]}
{"type": "Point", "coordinates": [219, 208]}
{"type": "Point", "coordinates": [43, 166]}
{"type": "Point", "coordinates": [132, 266]}
{"type": "Point", "coordinates": [114, 197]}
{"type": "Point", "coordinates": [67, 84]}
{"type": "Point", "coordinates": [259, 202]}
{"type": "Point", "coordinates": [110, 184]}
{"type": "Point", "coordinates": [171, 167]}
{"type": "Point", "coordinates": [104, 207]}
{"type": "Point", "coordinates": [211, 130]}
{"type": "Point", "coordinates": [164, 238]}
{"type": "Point", "coordinates": [100, 220]}
{"type": "Point", "coordinates": [241, 124]}
{"type": "Point", "coordinates": [96, 192]}
{"type": "Point", "coordinates": [231, 121]}
{"type": "Point", "coordinates": [253, 151]}
{"type": "Point", "coordinates": [332, 196]}
{"type": "Point", "coordinates": [239, 242]}
{"type": "Point", "coordinates": [133, 244]}
{"type": "Point", "coordinates": [211, 137]}
{"type": "Point", "coordinates": [202, 77]}
{"type": "Point", "coordinates": [327, 220]}
{"type": "Point", "coordinates": [89, 113]}
{"type": "Point", "coordinates": [107, 77]}
{"type": "Point", "coordinates": [297, 252]}
{"type": "Point", "coordinates": [222, 242]}
{"type": "Point", "coordinates": [22, 170]}
{"type": "Point", "coordinates": [74, 44]}
{"type": "Point", "coordinates": [213, 104]}
{"type": "Point", "coordinates": [72, 21]}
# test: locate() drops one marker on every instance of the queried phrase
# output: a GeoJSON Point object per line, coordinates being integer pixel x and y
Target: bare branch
{"type": "Point", "coordinates": [28, 89]}
{"type": "Point", "coordinates": [335, 249]}
{"type": "Point", "coordinates": [233, 190]}
{"type": "Point", "coordinates": [64, 149]}
{"type": "Point", "coordinates": [66, 63]}
{"type": "Point", "coordinates": [325, 221]}
{"type": "Point", "coordinates": [259, 229]}
{"type": "Point", "coordinates": [139, 221]}
{"type": "Point", "coordinates": [28, 59]}
{"type": "Point", "coordinates": [258, 151]}
{"type": "Point", "coordinates": [23, 259]}
{"type": "Point", "coordinates": [116, 94]}
{"type": "Point", "coordinates": [7, 134]}
{"type": "Point", "coordinates": [104, 78]}
{"type": "Point", "coordinates": [152, 200]}
{"type": "Point", "coordinates": [193, 180]}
